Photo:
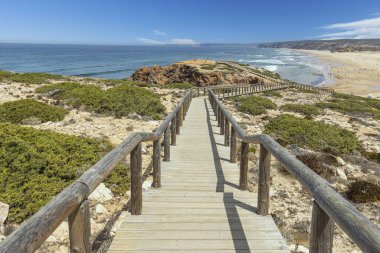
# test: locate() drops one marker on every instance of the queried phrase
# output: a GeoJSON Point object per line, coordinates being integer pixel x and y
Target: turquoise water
{"type": "Point", "coordinates": [122, 61]}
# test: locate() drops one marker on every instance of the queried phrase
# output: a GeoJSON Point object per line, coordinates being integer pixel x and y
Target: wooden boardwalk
{"type": "Point", "coordinates": [199, 206]}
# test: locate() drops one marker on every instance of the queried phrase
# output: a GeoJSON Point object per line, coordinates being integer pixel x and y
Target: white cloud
{"type": "Point", "coordinates": [362, 29]}
{"type": "Point", "coordinates": [170, 42]}
{"type": "Point", "coordinates": [183, 42]}
{"type": "Point", "coordinates": [158, 32]}
{"type": "Point", "coordinates": [150, 41]}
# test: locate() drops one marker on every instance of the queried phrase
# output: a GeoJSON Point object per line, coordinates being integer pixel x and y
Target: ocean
{"type": "Point", "coordinates": [118, 62]}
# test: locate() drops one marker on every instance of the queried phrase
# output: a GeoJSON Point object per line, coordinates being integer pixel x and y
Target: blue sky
{"type": "Point", "coordinates": [185, 21]}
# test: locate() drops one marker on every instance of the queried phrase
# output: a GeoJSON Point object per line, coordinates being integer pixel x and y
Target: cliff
{"type": "Point", "coordinates": [344, 45]}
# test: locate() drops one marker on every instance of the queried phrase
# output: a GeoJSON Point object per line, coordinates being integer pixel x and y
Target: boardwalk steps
{"type": "Point", "coordinates": [199, 206]}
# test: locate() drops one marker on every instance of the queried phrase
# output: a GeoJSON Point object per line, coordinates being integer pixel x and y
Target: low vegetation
{"type": "Point", "coordinates": [313, 135]}
{"type": "Point", "coordinates": [267, 73]}
{"type": "Point", "coordinates": [353, 105]}
{"type": "Point", "coordinates": [363, 192]}
{"type": "Point", "coordinates": [301, 90]}
{"type": "Point", "coordinates": [118, 101]}
{"type": "Point", "coordinates": [272, 94]}
{"type": "Point", "coordinates": [27, 110]}
{"type": "Point", "coordinates": [208, 66]}
{"type": "Point", "coordinates": [29, 78]}
{"type": "Point", "coordinates": [178, 86]}
{"type": "Point", "coordinates": [308, 110]}
{"type": "Point", "coordinates": [254, 105]}
{"type": "Point", "coordinates": [36, 165]}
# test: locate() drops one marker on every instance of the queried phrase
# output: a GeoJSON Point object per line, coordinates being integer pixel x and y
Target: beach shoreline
{"type": "Point", "coordinates": [355, 73]}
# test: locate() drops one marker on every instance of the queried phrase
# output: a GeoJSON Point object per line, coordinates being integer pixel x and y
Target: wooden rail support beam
{"type": "Point", "coordinates": [157, 160]}
{"type": "Point", "coordinates": [322, 231]}
{"type": "Point", "coordinates": [264, 178]}
{"type": "Point", "coordinates": [243, 182]}
{"type": "Point", "coordinates": [226, 132]}
{"type": "Point", "coordinates": [167, 134]}
{"type": "Point", "coordinates": [177, 122]}
{"type": "Point", "coordinates": [136, 180]}
{"type": "Point", "coordinates": [80, 229]}
{"type": "Point", "coordinates": [233, 145]}
{"type": "Point", "coordinates": [173, 132]}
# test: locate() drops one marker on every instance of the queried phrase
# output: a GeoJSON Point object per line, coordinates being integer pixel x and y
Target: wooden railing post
{"type": "Point", "coordinates": [80, 229]}
{"type": "Point", "coordinates": [167, 143]}
{"type": "Point", "coordinates": [243, 184]}
{"type": "Point", "coordinates": [222, 125]}
{"type": "Point", "coordinates": [217, 114]}
{"type": "Point", "coordinates": [181, 112]}
{"type": "Point", "coordinates": [264, 178]}
{"type": "Point", "coordinates": [233, 145]}
{"type": "Point", "coordinates": [226, 132]}
{"type": "Point", "coordinates": [322, 231]}
{"type": "Point", "coordinates": [157, 161]}
{"type": "Point", "coordinates": [173, 132]}
{"type": "Point", "coordinates": [136, 180]}
{"type": "Point", "coordinates": [177, 122]}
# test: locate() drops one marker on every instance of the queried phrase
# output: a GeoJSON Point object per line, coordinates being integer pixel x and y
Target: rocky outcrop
{"type": "Point", "coordinates": [178, 73]}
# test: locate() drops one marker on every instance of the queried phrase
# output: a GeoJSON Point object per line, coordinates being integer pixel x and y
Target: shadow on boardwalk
{"type": "Point", "coordinates": [236, 227]}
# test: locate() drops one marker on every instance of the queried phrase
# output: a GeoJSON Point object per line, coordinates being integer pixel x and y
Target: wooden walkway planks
{"type": "Point", "coordinates": [199, 207]}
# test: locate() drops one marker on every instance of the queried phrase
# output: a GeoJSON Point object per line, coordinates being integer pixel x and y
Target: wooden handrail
{"type": "Point", "coordinates": [72, 202]}
{"type": "Point", "coordinates": [329, 206]}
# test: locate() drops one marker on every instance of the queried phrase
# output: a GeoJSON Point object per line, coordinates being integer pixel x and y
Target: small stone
{"type": "Point", "coordinates": [340, 161]}
{"type": "Point", "coordinates": [341, 187]}
{"type": "Point", "coordinates": [341, 174]}
{"type": "Point", "coordinates": [62, 249]}
{"type": "Point", "coordinates": [101, 194]}
{"type": "Point", "coordinates": [129, 128]}
{"type": "Point", "coordinates": [4, 211]}
{"type": "Point", "coordinates": [134, 115]}
{"type": "Point", "coordinates": [100, 209]}
{"type": "Point", "coordinates": [302, 249]}
{"type": "Point", "coordinates": [146, 185]}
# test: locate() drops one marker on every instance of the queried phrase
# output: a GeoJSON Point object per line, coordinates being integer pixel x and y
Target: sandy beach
{"type": "Point", "coordinates": [353, 72]}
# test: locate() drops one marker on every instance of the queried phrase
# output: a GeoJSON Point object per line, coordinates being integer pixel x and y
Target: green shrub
{"type": "Point", "coordinates": [117, 82]}
{"type": "Point", "coordinates": [373, 156]}
{"type": "Point", "coordinates": [272, 94]}
{"type": "Point", "coordinates": [307, 91]}
{"type": "Point", "coordinates": [208, 66]}
{"type": "Point", "coordinates": [254, 105]}
{"type": "Point", "coordinates": [118, 101]}
{"type": "Point", "coordinates": [21, 110]}
{"type": "Point", "coordinates": [311, 134]}
{"type": "Point", "coordinates": [350, 104]}
{"type": "Point", "coordinates": [178, 86]}
{"type": "Point", "coordinates": [36, 165]}
{"type": "Point", "coordinates": [363, 192]}
{"type": "Point", "coordinates": [267, 73]}
{"type": "Point", "coordinates": [307, 110]}
{"type": "Point", "coordinates": [29, 78]}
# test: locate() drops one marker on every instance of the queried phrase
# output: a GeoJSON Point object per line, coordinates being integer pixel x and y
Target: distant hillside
{"type": "Point", "coordinates": [344, 45]}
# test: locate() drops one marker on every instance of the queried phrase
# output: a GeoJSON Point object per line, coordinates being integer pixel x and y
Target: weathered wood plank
{"type": "Point", "coordinates": [136, 180]}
